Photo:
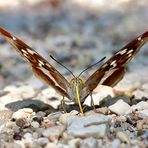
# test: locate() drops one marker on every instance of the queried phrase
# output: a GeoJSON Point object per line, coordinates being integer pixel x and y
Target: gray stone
{"type": "Point", "coordinates": [93, 125]}
{"type": "Point", "coordinates": [54, 116]}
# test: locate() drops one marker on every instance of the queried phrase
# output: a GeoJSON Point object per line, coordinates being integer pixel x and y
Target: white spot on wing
{"type": "Point", "coordinates": [13, 38]}
{"type": "Point", "coordinates": [48, 65]}
{"type": "Point", "coordinates": [47, 73]}
{"type": "Point", "coordinates": [24, 51]}
{"type": "Point", "coordinates": [107, 74]}
{"type": "Point", "coordinates": [114, 64]}
{"type": "Point", "coordinates": [139, 39]}
{"type": "Point", "coordinates": [40, 63]}
{"type": "Point", "coordinates": [30, 51]}
{"type": "Point", "coordinates": [130, 55]}
{"type": "Point", "coordinates": [122, 52]}
{"type": "Point", "coordinates": [130, 51]}
{"type": "Point", "coordinates": [25, 55]}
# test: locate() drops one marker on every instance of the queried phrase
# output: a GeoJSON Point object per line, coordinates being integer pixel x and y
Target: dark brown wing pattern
{"type": "Point", "coordinates": [112, 71]}
{"type": "Point", "coordinates": [40, 66]}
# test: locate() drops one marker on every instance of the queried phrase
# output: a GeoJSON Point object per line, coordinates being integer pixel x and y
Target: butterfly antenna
{"type": "Point", "coordinates": [91, 66]}
{"type": "Point", "coordinates": [62, 65]}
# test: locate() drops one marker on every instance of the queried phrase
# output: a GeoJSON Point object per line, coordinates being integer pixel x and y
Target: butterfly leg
{"type": "Point", "coordinates": [92, 102]}
{"type": "Point", "coordinates": [63, 105]}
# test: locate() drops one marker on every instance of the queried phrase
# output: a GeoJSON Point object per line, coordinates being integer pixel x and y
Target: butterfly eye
{"type": "Point", "coordinates": [80, 81]}
{"type": "Point", "coordinates": [72, 81]}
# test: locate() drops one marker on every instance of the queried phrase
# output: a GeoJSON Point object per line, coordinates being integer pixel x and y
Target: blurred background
{"type": "Point", "coordinates": [76, 32]}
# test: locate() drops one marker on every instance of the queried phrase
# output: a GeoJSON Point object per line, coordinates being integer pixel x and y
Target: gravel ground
{"type": "Point", "coordinates": [78, 34]}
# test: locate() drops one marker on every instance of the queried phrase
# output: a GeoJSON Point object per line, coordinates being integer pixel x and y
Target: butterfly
{"type": "Point", "coordinates": [110, 73]}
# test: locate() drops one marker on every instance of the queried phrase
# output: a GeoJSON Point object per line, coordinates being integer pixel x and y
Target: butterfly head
{"type": "Point", "coordinates": [76, 84]}
{"type": "Point", "coordinates": [76, 81]}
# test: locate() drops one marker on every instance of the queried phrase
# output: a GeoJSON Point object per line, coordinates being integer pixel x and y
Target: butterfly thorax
{"type": "Point", "coordinates": [76, 83]}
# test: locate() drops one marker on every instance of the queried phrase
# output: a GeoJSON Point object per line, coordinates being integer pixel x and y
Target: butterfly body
{"type": "Point", "coordinates": [74, 83]}
{"type": "Point", "coordinates": [110, 73]}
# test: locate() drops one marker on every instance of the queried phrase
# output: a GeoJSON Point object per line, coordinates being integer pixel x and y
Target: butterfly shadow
{"type": "Point", "coordinates": [36, 105]}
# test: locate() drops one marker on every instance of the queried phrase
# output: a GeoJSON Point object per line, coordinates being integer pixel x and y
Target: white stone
{"type": "Point", "coordinates": [23, 113]}
{"type": "Point", "coordinates": [116, 143]}
{"type": "Point", "coordinates": [120, 107]}
{"type": "Point", "coordinates": [144, 113]}
{"type": "Point", "coordinates": [139, 94]}
{"type": "Point", "coordinates": [99, 93]}
{"type": "Point", "coordinates": [140, 106]}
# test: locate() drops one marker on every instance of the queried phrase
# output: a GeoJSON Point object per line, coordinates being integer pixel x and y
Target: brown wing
{"type": "Point", "coordinates": [112, 71]}
{"type": "Point", "coordinates": [40, 66]}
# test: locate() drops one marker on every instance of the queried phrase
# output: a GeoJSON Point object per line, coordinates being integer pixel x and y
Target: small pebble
{"type": "Point", "coordinates": [63, 118]}
{"type": "Point", "coordinates": [6, 114]}
{"type": "Point", "coordinates": [22, 123]}
{"type": "Point", "coordinates": [51, 145]}
{"type": "Point", "coordinates": [11, 145]}
{"type": "Point", "coordinates": [42, 141]}
{"type": "Point", "coordinates": [140, 124]}
{"type": "Point", "coordinates": [38, 119]}
{"type": "Point", "coordinates": [47, 123]}
{"type": "Point", "coordinates": [121, 119]}
{"type": "Point", "coordinates": [116, 143]}
{"type": "Point", "coordinates": [89, 142]}
{"type": "Point", "coordinates": [4, 137]}
{"type": "Point", "coordinates": [54, 116]}
{"type": "Point", "coordinates": [22, 113]}
{"type": "Point", "coordinates": [11, 125]}
{"type": "Point", "coordinates": [35, 124]}
{"type": "Point", "coordinates": [41, 114]}
{"type": "Point", "coordinates": [17, 136]}
{"type": "Point", "coordinates": [74, 142]}
{"type": "Point", "coordinates": [54, 131]}
{"type": "Point", "coordinates": [122, 137]}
